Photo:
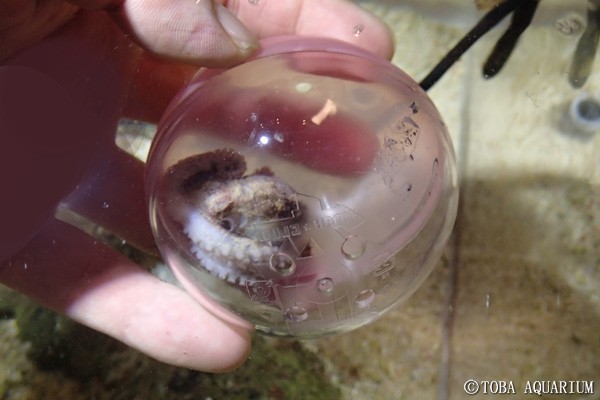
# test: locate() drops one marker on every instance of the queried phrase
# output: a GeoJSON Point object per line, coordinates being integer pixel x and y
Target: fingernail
{"type": "Point", "coordinates": [239, 34]}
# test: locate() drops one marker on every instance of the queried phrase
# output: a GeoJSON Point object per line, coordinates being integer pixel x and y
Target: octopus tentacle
{"type": "Point", "coordinates": [222, 212]}
{"type": "Point", "coordinates": [190, 174]}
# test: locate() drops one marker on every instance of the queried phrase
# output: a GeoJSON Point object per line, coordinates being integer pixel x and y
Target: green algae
{"type": "Point", "coordinates": [69, 361]}
{"type": "Point", "coordinates": [57, 343]}
{"type": "Point", "coordinates": [277, 369]}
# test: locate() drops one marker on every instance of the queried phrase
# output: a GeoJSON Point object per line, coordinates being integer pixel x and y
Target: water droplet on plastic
{"type": "Point", "coordinates": [253, 2]}
{"type": "Point", "coordinates": [389, 143]}
{"type": "Point", "coordinates": [357, 30]}
{"type": "Point", "coordinates": [279, 137]}
{"type": "Point", "coordinates": [105, 204]}
{"type": "Point", "coordinates": [353, 247]}
{"type": "Point", "coordinates": [364, 97]}
{"type": "Point", "coordinates": [398, 186]}
{"type": "Point", "coordinates": [296, 314]}
{"type": "Point", "coordinates": [387, 180]}
{"type": "Point", "coordinates": [365, 298]}
{"type": "Point", "coordinates": [414, 107]}
{"type": "Point", "coordinates": [25, 265]}
{"type": "Point", "coordinates": [408, 125]}
{"type": "Point", "coordinates": [282, 264]}
{"type": "Point", "coordinates": [325, 285]}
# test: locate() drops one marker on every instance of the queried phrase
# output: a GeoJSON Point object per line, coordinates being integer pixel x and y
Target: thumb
{"type": "Point", "coordinates": [201, 32]}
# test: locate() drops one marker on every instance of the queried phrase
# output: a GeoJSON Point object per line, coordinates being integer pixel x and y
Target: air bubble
{"type": "Point", "coordinates": [282, 264]}
{"type": "Point", "coordinates": [365, 298]}
{"type": "Point", "coordinates": [279, 137]}
{"type": "Point", "coordinates": [296, 314]}
{"type": "Point", "coordinates": [353, 247]}
{"type": "Point", "coordinates": [105, 205]}
{"type": "Point", "coordinates": [357, 30]}
{"type": "Point", "coordinates": [325, 285]}
{"type": "Point", "coordinates": [253, 2]}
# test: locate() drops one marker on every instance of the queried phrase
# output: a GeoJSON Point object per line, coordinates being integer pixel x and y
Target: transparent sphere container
{"type": "Point", "coordinates": [305, 192]}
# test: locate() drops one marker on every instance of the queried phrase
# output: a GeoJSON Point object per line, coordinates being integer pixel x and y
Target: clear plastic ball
{"type": "Point", "coordinates": [305, 192]}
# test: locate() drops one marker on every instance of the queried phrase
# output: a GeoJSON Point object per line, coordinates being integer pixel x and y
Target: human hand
{"type": "Point", "coordinates": [70, 71]}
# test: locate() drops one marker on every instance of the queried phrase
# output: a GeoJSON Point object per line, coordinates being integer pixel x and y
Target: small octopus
{"type": "Point", "coordinates": [218, 208]}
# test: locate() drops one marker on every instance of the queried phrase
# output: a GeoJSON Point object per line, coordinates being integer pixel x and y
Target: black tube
{"type": "Point", "coordinates": [521, 19]}
{"type": "Point", "coordinates": [485, 24]}
{"type": "Point", "coordinates": [583, 59]}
